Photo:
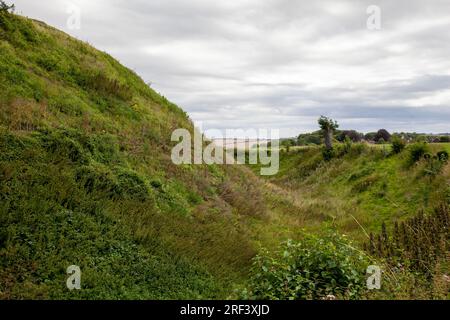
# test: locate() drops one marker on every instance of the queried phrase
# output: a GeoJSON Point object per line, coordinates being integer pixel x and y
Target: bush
{"type": "Point", "coordinates": [132, 186]}
{"type": "Point", "coordinates": [309, 269]}
{"type": "Point", "coordinates": [62, 146]}
{"type": "Point", "coordinates": [97, 179]}
{"type": "Point", "coordinates": [328, 154]}
{"type": "Point", "coordinates": [417, 151]}
{"type": "Point", "coordinates": [398, 145]}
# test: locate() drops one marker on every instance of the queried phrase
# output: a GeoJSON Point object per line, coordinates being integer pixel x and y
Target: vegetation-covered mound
{"type": "Point", "coordinates": [86, 179]}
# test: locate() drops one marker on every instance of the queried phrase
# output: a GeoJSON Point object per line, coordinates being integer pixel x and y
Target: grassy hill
{"type": "Point", "coordinates": [366, 192]}
{"type": "Point", "coordinates": [86, 179]}
{"type": "Point", "coordinates": [368, 184]}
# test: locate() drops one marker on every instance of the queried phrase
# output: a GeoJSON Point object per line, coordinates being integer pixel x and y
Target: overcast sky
{"type": "Point", "coordinates": [278, 63]}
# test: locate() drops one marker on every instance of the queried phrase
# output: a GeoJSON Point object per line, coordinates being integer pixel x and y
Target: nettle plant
{"type": "Point", "coordinates": [309, 269]}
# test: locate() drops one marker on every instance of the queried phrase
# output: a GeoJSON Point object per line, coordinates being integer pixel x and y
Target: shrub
{"type": "Point", "coordinates": [398, 145]}
{"type": "Point", "coordinates": [309, 269]}
{"type": "Point", "coordinates": [63, 147]}
{"type": "Point", "coordinates": [132, 186]}
{"type": "Point", "coordinates": [417, 151]}
{"type": "Point", "coordinates": [95, 178]}
{"type": "Point", "coordinates": [328, 154]}
{"type": "Point", "coordinates": [347, 144]}
{"type": "Point", "coordinates": [102, 83]}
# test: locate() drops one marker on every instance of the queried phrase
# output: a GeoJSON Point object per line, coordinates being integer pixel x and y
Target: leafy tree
{"type": "Point", "coordinates": [309, 138]}
{"type": "Point", "coordinates": [351, 134]}
{"type": "Point", "coordinates": [4, 7]}
{"type": "Point", "coordinates": [287, 144]}
{"type": "Point", "coordinates": [328, 126]}
{"type": "Point", "coordinates": [382, 134]}
{"type": "Point", "coordinates": [370, 136]}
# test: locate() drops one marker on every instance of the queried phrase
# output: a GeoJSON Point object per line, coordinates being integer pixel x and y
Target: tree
{"type": "Point", "coordinates": [370, 136]}
{"type": "Point", "coordinates": [305, 139]}
{"type": "Point", "coordinates": [287, 144]}
{"type": "Point", "coordinates": [5, 7]}
{"type": "Point", "coordinates": [328, 126]}
{"type": "Point", "coordinates": [352, 134]}
{"type": "Point", "coordinates": [382, 134]}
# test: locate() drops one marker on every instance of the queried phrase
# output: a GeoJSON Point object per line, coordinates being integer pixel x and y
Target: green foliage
{"type": "Point", "coordinates": [86, 178]}
{"type": "Point", "coordinates": [370, 136]}
{"type": "Point", "coordinates": [101, 83]}
{"type": "Point", "coordinates": [287, 143]}
{"type": "Point", "coordinates": [365, 183]}
{"type": "Point", "coordinates": [382, 136]}
{"type": "Point", "coordinates": [306, 139]}
{"type": "Point", "coordinates": [328, 126]}
{"type": "Point", "coordinates": [328, 154]}
{"type": "Point", "coordinates": [347, 145]}
{"type": "Point", "coordinates": [353, 135]}
{"type": "Point", "coordinates": [131, 185]}
{"type": "Point", "coordinates": [418, 243]}
{"type": "Point", "coordinates": [398, 145]}
{"type": "Point", "coordinates": [434, 165]}
{"type": "Point", "coordinates": [326, 123]}
{"type": "Point", "coordinates": [417, 151]}
{"type": "Point", "coordinates": [309, 269]}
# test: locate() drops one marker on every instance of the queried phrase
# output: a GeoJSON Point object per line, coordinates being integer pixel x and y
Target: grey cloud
{"type": "Point", "coordinates": [279, 63]}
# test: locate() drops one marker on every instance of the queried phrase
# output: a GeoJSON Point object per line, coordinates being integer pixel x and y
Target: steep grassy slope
{"type": "Point", "coordinates": [394, 209]}
{"type": "Point", "coordinates": [86, 178]}
{"type": "Point", "coordinates": [360, 189]}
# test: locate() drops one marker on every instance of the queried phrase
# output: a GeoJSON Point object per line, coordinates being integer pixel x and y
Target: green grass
{"type": "Point", "coordinates": [369, 184]}
{"type": "Point", "coordinates": [86, 178]}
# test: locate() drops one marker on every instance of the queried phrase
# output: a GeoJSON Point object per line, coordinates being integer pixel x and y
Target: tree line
{"type": "Point", "coordinates": [329, 132]}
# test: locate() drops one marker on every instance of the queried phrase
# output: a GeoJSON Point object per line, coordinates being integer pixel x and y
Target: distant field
{"type": "Point", "coordinates": [445, 146]}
